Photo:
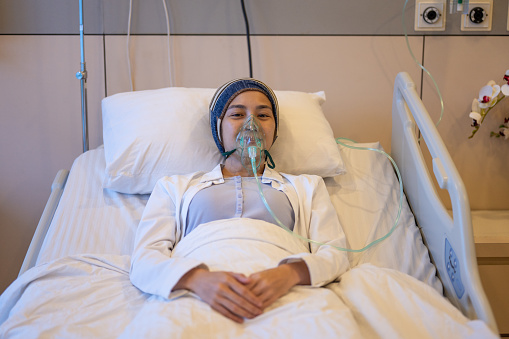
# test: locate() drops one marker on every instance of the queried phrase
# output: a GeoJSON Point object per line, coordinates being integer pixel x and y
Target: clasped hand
{"type": "Point", "coordinates": [237, 296]}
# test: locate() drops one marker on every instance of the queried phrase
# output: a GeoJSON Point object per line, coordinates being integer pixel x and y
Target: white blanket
{"type": "Point", "coordinates": [91, 297]}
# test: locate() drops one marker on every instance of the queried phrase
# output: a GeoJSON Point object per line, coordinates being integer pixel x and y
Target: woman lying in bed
{"type": "Point", "coordinates": [182, 205]}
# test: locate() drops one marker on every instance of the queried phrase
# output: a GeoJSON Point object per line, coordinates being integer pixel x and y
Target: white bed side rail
{"type": "Point", "coordinates": [449, 240]}
{"type": "Point", "coordinates": [57, 187]}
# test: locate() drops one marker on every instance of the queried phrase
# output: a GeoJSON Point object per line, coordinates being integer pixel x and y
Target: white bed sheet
{"type": "Point", "coordinates": [93, 220]}
{"type": "Point", "coordinates": [366, 199]}
{"type": "Point", "coordinates": [91, 296]}
{"type": "Point", "coordinates": [90, 219]}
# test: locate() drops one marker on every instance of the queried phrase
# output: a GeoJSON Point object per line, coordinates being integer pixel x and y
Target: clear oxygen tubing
{"type": "Point", "coordinates": [170, 74]}
{"type": "Point", "coordinates": [252, 154]}
{"type": "Point", "coordinates": [421, 66]}
{"type": "Point", "coordinates": [128, 48]}
{"type": "Point", "coordinates": [128, 45]}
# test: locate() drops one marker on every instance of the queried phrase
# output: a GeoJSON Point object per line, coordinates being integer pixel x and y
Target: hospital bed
{"type": "Point", "coordinates": [74, 281]}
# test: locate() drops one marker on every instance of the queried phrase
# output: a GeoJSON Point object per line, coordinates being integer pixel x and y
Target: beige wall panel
{"type": "Point", "coordinates": [196, 61]}
{"type": "Point", "coordinates": [461, 66]}
{"type": "Point", "coordinates": [357, 73]}
{"type": "Point", "coordinates": [40, 130]}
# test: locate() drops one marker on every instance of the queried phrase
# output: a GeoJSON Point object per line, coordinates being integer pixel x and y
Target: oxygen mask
{"type": "Point", "coordinates": [250, 144]}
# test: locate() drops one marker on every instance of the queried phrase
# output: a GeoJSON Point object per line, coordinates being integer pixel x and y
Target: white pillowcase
{"type": "Point", "coordinates": [305, 143]}
{"type": "Point", "coordinates": [155, 133]}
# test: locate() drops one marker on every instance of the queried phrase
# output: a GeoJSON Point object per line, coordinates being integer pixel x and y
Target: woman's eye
{"type": "Point", "coordinates": [264, 115]}
{"type": "Point", "coordinates": [236, 114]}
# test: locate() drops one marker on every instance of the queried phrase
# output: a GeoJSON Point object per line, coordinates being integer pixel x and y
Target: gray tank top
{"type": "Point", "coordinates": [238, 197]}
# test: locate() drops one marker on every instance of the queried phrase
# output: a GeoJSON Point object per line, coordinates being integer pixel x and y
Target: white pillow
{"type": "Point", "coordinates": [155, 133]}
{"type": "Point", "coordinates": [305, 143]}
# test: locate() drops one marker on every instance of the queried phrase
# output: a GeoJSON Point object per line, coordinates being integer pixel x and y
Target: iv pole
{"type": "Point", "coordinates": [82, 76]}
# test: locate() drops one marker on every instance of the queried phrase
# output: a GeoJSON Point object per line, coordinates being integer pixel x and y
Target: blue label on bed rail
{"type": "Point", "coordinates": [453, 269]}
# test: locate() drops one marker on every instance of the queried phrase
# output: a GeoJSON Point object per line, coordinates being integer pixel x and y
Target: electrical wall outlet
{"type": "Point", "coordinates": [479, 16]}
{"type": "Point", "coordinates": [429, 15]}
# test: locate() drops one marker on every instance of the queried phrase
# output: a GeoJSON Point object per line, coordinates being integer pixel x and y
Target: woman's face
{"type": "Point", "coordinates": [245, 104]}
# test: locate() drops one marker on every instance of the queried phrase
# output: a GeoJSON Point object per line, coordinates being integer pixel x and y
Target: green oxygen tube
{"type": "Point", "coordinates": [252, 150]}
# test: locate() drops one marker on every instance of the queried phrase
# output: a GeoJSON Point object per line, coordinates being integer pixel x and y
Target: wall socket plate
{"type": "Point", "coordinates": [479, 16]}
{"type": "Point", "coordinates": [429, 15]}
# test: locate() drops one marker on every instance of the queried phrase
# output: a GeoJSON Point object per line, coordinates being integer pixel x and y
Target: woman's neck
{"type": "Point", "coordinates": [232, 168]}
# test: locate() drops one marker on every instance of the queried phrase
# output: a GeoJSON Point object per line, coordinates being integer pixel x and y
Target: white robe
{"type": "Point", "coordinates": [155, 270]}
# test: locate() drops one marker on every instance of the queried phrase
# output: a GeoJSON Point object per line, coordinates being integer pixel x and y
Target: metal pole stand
{"type": "Point", "coordinates": [82, 76]}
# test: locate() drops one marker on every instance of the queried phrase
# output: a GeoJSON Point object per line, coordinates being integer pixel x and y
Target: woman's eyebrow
{"type": "Point", "coordinates": [237, 106]}
{"type": "Point", "coordinates": [244, 107]}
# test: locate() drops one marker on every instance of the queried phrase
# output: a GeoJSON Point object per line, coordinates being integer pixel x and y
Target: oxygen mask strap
{"type": "Point", "coordinates": [227, 154]}
{"type": "Point", "coordinates": [270, 162]}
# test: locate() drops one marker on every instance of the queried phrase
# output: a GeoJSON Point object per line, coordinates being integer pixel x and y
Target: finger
{"type": "Point", "coordinates": [239, 309]}
{"type": "Point", "coordinates": [227, 313]}
{"type": "Point", "coordinates": [252, 282]}
{"type": "Point", "coordinates": [267, 292]}
{"type": "Point", "coordinates": [240, 305]}
{"type": "Point", "coordinates": [258, 288]}
{"type": "Point", "coordinates": [255, 284]}
{"type": "Point", "coordinates": [270, 301]}
{"type": "Point", "coordinates": [241, 278]}
{"type": "Point", "coordinates": [265, 295]}
{"type": "Point", "coordinates": [242, 292]}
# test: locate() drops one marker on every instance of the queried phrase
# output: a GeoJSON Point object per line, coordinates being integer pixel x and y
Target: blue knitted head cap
{"type": "Point", "coordinates": [225, 95]}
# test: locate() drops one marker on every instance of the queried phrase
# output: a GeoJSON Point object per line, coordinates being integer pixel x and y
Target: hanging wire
{"type": "Point", "coordinates": [371, 244]}
{"type": "Point", "coordinates": [129, 67]}
{"type": "Point", "coordinates": [248, 35]}
{"type": "Point", "coordinates": [169, 43]}
{"type": "Point", "coordinates": [128, 43]}
{"type": "Point", "coordinates": [421, 66]}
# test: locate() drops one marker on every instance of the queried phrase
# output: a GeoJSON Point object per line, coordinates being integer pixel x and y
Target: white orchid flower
{"type": "Point", "coordinates": [505, 131]}
{"type": "Point", "coordinates": [488, 94]}
{"type": "Point", "coordinates": [476, 117]}
{"type": "Point", "coordinates": [505, 88]}
{"type": "Point", "coordinates": [475, 106]}
{"type": "Point", "coordinates": [475, 114]}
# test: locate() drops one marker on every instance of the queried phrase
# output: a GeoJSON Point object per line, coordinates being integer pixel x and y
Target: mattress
{"type": "Point", "coordinates": [93, 220]}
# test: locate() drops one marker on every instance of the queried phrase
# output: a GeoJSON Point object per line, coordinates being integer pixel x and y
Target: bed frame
{"type": "Point", "coordinates": [449, 240]}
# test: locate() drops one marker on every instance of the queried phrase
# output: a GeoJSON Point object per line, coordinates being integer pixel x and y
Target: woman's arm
{"type": "Point", "coordinates": [153, 270]}
{"type": "Point", "coordinates": [317, 220]}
